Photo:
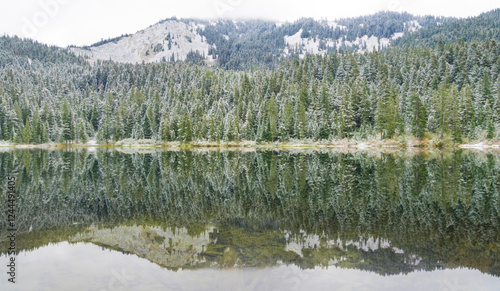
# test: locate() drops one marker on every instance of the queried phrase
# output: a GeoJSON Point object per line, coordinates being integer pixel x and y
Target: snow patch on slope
{"type": "Point", "coordinates": [151, 44]}
{"type": "Point", "coordinates": [306, 45]}
{"type": "Point", "coordinates": [413, 26]}
{"type": "Point", "coordinates": [365, 43]}
{"type": "Point", "coordinates": [334, 25]}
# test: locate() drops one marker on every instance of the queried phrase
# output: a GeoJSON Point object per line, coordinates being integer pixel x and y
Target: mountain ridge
{"type": "Point", "coordinates": [259, 42]}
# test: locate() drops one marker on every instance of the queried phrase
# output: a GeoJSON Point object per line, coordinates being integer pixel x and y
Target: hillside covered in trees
{"type": "Point", "coordinates": [447, 88]}
{"type": "Point", "coordinates": [246, 44]}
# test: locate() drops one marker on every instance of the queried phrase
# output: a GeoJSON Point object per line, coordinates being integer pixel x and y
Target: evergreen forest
{"type": "Point", "coordinates": [441, 82]}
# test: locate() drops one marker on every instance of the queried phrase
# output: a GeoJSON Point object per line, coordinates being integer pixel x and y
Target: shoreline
{"type": "Point", "coordinates": [341, 144]}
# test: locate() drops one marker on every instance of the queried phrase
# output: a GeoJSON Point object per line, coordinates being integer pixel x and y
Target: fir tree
{"type": "Point", "coordinates": [287, 122]}
{"type": "Point", "coordinates": [301, 121]}
{"type": "Point", "coordinates": [271, 120]}
{"type": "Point", "coordinates": [386, 113]}
{"type": "Point", "coordinates": [419, 117]}
{"type": "Point", "coordinates": [27, 133]}
{"type": "Point", "coordinates": [36, 128]}
{"type": "Point", "coordinates": [454, 115]}
{"type": "Point", "coordinates": [467, 111]}
{"type": "Point", "coordinates": [67, 121]}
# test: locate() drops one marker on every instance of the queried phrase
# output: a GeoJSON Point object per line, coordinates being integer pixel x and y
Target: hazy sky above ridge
{"type": "Point", "coordinates": [65, 22]}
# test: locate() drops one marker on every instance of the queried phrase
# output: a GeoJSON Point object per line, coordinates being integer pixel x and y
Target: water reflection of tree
{"type": "Point", "coordinates": [445, 208]}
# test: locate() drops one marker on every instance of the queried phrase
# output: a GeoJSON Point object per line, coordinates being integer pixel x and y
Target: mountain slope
{"type": "Point", "coordinates": [15, 50]}
{"type": "Point", "coordinates": [245, 44]}
{"type": "Point", "coordinates": [484, 26]}
{"type": "Point", "coordinates": [166, 40]}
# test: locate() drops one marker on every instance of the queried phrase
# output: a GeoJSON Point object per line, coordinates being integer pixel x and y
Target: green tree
{"type": "Point", "coordinates": [386, 113]}
{"type": "Point", "coordinates": [347, 116]}
{"type": "Point", "coordinates": [106, 124]}
{"type": "Point", "coordinates": [467, 115]}
{"type": "Point", "coordinates": [454, 115]}
{"type": "Point", "coordinates": [82, 135]}
{"type": "Point", "coordinates": [271, 120]}
{"type": "Point", "coordinates": [146, 127]}
{"type": "Point", "coordinates": [419, 116]}
{"type": "Point", "coordinates": [186, 128]}
{"type": "Point", "coordinates": [27, 133]}
{"type": "Point", "coordinates": [496, 104]}
{"type": "Point", "coordinates": [45, 133]}
{"type": "Point", "coordinates": [165, 130]}
{"type": "Point", "coordinates": [67, 121]}
{"type": "Point", "coordinates": [36, 128]}
{"type": "Point", "coordinates": [440, 113]}
{"type": "Point", "coordinates": [18, 139]}
{"type": "Point", "coordinates": [301, 122]}
{"type": "Point", "coordinates": [490, 129]}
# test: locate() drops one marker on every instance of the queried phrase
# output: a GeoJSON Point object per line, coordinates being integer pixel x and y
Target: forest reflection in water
{"type": "Point", "coordinates": [387, 214]}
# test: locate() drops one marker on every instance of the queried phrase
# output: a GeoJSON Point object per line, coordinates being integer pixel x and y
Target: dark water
{"type": "Point", "coordinates": [258, 220]}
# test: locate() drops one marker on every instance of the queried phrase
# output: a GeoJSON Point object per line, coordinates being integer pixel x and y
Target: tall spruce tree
{"type": "Point", "coordinates": [419, 116]}
{"type": "Point", "coordinates": [27, 133]}
{"type": "Point", "coordinates": [467, 116]}
{"type": "Point", "coordinates": [67, 122]}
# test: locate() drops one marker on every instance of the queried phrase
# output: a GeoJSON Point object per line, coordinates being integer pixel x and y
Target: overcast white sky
{"type": "Point", "coordinates": [65, 22]}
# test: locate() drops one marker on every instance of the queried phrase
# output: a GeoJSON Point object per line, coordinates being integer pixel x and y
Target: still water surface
{"type": "Point", "coordinates": [258, 220]}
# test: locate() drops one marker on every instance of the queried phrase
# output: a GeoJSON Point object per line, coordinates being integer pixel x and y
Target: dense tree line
{"type": "Point", "coordinates": [256, 43]}
{"type": "Point", "coordinates": [244, 45]}
{"type": "Point", "coordinates": [381, 24]}
{"type": "Point", "coordinates": [484, 26]}
{"type": "Point", "coordinates": [449, 90]}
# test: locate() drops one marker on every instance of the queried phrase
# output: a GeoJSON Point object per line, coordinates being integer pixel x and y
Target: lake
{"type": "Point", "coordinates": [252, 219]}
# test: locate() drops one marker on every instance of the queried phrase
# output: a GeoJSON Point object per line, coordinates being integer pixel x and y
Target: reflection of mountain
{"type": "Point", "coordinates": [237, 247]}
{"type": "Point", "coordinates": [231, 247]}
{"type": "Point", "coordinates": [172, 248]}
{"type": "Point", "coordinates": [437, 211]}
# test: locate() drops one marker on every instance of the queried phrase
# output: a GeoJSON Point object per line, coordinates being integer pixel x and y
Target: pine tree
{"type": "Point", "coordinates": [249, 127]}
{"type": "Point", "coordinates": [94, 115]}
{"type": "Point", "coordinates": [105, 132]}
{"type": "Point", "coordinates": [18, 138]}
{"type": "Point", "coordinates": [186, 128]}
{"type": "Point", "coordinates": [152, 116]}
{"type": "Point", "coordinates": [271, 120]}
{"type": "Point", "coordinates": [8, 131]}
{"type": "Point", "coordinates": [440, 110]}
{"type": "Point", "coordinates": [287, 122]}
{"type": "Point", "coordinates": [486, 89]}
{"type": "Point", "coordinates": [165, 130]}
{"type": "Point", "coordinates": [386, 113]}
{"type": "Point", "coordinates": [419, 117]}
{"type": "Point", "coordinates": [235, 131]}
{"type": "Point", "coordinates": [37, 128]}
{"type": "Point", "coordinates": [147, 130]}
{"type": "Point", "coordinates": [488, 122]}
{"type": "Point", "coordinates": [467, 115]}
{"type": "Point", "coordinates": [17, 118]}
{"type": "Point", "coordinates": [27, 133]}
{"type": "Point", "coordinates": [496, 104]}
{"type": "Point", "coordinates": [301, 122]}
{"type": "Point", "coordinates": [490, 129]}
{"type": "Point", "coordinates": [45, 133]}
{"type": "Point", "coordinates": [304, 94]}
{"type": "Point", "coordinates": [361, 103]}
{"type": "Point", "coordinates": [347, 116]}
{"type": "Point", "coordinates": [67, 122]}
{"type": "Point", "coordinates": [82, 135]}
{"type": "Point", "coordinates": [454, 115]}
